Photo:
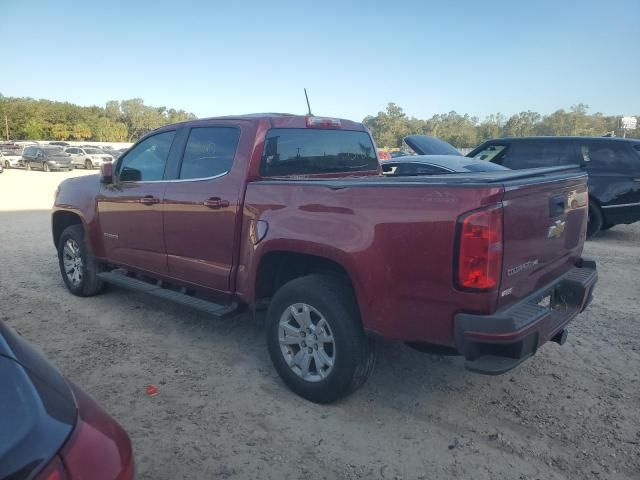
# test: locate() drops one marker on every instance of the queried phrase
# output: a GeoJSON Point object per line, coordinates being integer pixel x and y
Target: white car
{"type": "Point", "coordinates": [87, 157]}
{"type": "Point", "coordinates": [10, 159]}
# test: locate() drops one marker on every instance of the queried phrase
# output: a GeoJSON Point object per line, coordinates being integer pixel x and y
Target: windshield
{"type": "Point", "coordinates": [291, 151]}
{"type": "Point", "coordinates": [93, 151]}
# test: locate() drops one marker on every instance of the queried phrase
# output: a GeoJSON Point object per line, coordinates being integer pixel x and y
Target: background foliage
{"type": "Point", "coordinates": [390, 126]}
{"type": "Point", "coordinates": [117, 121]}
{"type": "Point", "coordinates": [127, 120]}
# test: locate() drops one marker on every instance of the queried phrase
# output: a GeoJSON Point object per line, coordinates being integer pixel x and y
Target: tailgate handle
{"type": "Point", "coordinates": [557, 205]}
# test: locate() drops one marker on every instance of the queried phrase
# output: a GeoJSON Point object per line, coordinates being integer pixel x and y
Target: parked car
{"type": "Point", "coordinates": [88, 157]}
{"type": "Point", "coordinates": [436, 165]}
{"type": "Point", "coordinates": [613, 165]}
{"type": "Point", "coordinates": [46, 158]}
{"type": "Point", "coordinates": [1, 168]}
{"type": "Point", "coordinates": [60, 144]}
{"type": "Point", "coordinates": [427, 145]}
{"type": "Point", "coordinates": [487, 266]}
{"type": "Point", "coordinates": [11, 158]}
{"type": "Point", "coordinates": [51, 429]}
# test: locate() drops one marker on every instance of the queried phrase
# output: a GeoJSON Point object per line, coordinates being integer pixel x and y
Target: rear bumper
{"type": "Point", "coordinates": [494, 344]}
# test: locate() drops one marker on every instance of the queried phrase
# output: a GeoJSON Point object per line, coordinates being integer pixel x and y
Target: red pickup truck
{"type": "Point", "coordinates": [290, 215]}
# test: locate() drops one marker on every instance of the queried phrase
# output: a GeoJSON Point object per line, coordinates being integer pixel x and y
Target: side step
{"type": "Point", "coordinates": [120, 279]}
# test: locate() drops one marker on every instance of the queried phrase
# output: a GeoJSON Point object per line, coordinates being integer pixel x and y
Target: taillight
{"type": "Point", "coordinates": [53, 471]}
{"type": "Point", "coordinates": [323, 122]}
{"type": "Point", "coordinates": [479, 261]}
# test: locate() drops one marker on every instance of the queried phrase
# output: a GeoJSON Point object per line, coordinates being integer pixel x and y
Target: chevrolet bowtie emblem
{"type": "Point", "coordinates": [557, 229]}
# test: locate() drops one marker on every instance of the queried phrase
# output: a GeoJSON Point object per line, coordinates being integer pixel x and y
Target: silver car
{"type": "Point", "coordinates": [11, 158]}
{"type": "Point", "coordinates": [88, 158]}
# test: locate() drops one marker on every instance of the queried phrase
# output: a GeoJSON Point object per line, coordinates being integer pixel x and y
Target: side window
{"type": "Point", "coordinates": [490, 152]}
{"type": "Point", "coordinates": [636, 148]}
{"type": "Point", "coordinates": [146, 161]}
{"type": "Point", "coordinates": [209, 152]}
{"type": "Point", "coordinates": [608, 155]}
{"type": "Point", "coordinates": [539, 153]}
{"type": "Point", "coordinates": [28, 152]}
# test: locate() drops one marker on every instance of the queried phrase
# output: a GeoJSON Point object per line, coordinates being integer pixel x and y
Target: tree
{"type": "Point", "coordinates": [81, 131]}
{"type": "Point", "coordinates": [60, 131]}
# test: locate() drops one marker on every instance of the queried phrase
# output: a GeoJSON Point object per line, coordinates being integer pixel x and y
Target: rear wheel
{"type": "Point", "coordinates": [596, 220]}
{"type": "Point", "coordinates": [7, 165]}
{"type": "Point", "coordinates": [88, 165]}
{"type": "Point", "coordinates": [78, 266]}
{"type": "Point", "coordinates": [315, 338]}
{"type": "Point", "coordinates": [45, 167]}
{"type": "Point", "coordinates": [28, 167]}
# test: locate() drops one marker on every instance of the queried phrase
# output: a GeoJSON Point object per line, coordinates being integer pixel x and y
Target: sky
{"type": "Point", "coordinates": [218, 58]}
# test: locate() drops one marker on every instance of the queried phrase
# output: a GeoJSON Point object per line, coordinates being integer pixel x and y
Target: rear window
{"type": "Point", "coordinates": [306, 151]}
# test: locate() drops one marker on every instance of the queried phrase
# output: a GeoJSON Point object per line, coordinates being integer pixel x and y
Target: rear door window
{"type": "Point", "coordinates": [209, 152]}
{"type": "Point", "coordinates": [612, 156]}
{"type": "Point", "coordinates": [300, 151]}
{"type": "Point", "coordinates": [539, 153]}
{"type": "Point", "coordinates": [147, 160]}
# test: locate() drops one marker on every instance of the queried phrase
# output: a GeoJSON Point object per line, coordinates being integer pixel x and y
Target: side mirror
{"type": "Point", "coordinates": [106, 173]}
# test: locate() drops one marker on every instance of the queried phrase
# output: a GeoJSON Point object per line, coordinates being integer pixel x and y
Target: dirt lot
{"type": "Point", "coordinates": [570, 412]}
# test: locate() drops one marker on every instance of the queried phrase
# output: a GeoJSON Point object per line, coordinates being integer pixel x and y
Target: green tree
{"type": "Point", "coordinates": [60, 131]}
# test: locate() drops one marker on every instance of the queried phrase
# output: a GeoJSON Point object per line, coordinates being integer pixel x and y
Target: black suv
{"type": "Point", "coordinates": [46, 158]}
{"type": "Point", "coordinates": [613, 165]}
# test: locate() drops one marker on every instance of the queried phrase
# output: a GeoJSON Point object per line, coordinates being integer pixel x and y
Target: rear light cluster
{"type": "Point", "coordinates": [323, 122]}
{"type": "Point", "coordinates": [479, 261]}
{"type": "Point", "coordinates": [98, 448]}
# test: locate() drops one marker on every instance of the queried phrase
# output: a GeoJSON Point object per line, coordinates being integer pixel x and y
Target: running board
{"type": "Point", "coordinates": [131, 283]}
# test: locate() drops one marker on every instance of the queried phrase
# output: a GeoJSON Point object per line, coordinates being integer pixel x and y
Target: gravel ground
{"type": "Point", "coordinates": [570, 412]}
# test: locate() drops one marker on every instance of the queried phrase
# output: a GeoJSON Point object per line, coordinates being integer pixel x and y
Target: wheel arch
{"type": "Point", "coordinates": [278, 267]}
{"type": "Point", "coordinates": [62, 219]}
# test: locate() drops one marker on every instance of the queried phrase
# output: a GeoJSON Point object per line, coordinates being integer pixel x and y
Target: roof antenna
{"type": "Point", "coordinates": [308, 106]}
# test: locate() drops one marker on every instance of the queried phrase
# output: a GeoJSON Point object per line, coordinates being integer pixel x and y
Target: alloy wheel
{"type": "Point", "coordinates": [72, 261]}
{"type": "Point", "coordinates": [306, 342]}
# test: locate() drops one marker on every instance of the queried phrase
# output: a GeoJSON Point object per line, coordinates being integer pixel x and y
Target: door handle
{"type": "Point", "coordinates": [149, 200]}
{"type": "Point", "coordinates": [216, 203]}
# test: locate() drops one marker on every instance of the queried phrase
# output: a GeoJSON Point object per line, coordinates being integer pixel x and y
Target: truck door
{"type": "Point", "coordinates": [130, 210]}
{"type": "Point", "coordinates": [202, 206]}
{"type": "Point", "coordinates": [614, 178]}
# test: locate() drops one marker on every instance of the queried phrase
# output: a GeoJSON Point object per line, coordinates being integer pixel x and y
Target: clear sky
{"type": "Point", "coordinates": [215, 58]}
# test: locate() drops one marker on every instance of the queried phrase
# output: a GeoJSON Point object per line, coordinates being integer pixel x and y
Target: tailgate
{"type": "Point", "coordinates": [544, 230]}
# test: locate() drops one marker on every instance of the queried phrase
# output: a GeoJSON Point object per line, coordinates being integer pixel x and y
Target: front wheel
{"type": "Point", "coordinates": [7, 165]}
{"type": "Point", "coordinates": [28, 167]}
{"type": "Point", "coordinates": [45, 167]}
{"type": "Point", "coordinates": [78, 266]}
{"type": "Point", "coordinates": [315, 338]}
{"type": "Point", "coordinates": [88, 165]}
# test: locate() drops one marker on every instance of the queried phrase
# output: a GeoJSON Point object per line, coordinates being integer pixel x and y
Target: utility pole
{"type": "Point", "coordinates": [6, 127]}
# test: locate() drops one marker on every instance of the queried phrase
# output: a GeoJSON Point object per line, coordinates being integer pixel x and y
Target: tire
{"type": "Point", "coordinates": [7, 165]}
{"type": "Point", "coordinates": [88, 165]}
{"type": "Point", "coordinates": [28, 167]}
{"type": "Point", "coordinates": [86, 283]}
{"type": "Point", "coordinates": [328, 302]}
{"type": "Point", "coordinates": [45, 167]}
{"type": "Point", "coordinates": [596, 220]}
